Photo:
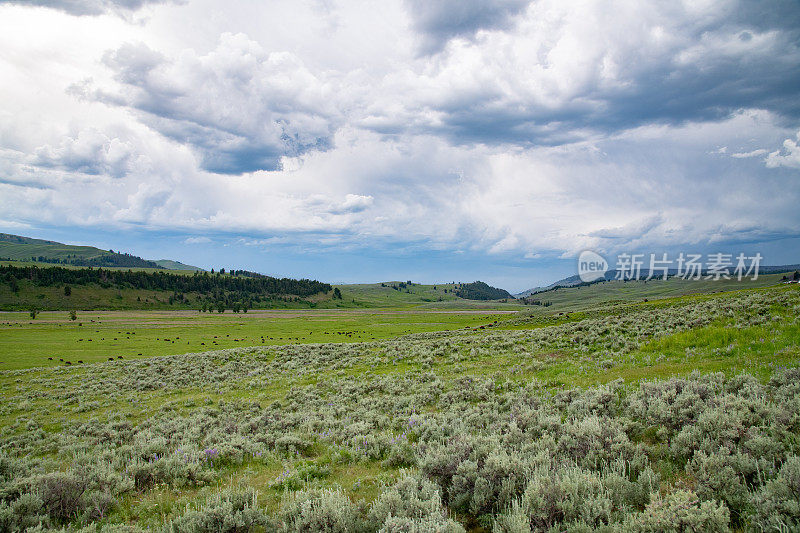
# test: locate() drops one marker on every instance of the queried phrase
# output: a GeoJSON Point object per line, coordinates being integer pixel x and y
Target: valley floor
{"type": "Point", "coordinates": [679, 414]}
{"type": "Point", "coordinates": [53, 338]}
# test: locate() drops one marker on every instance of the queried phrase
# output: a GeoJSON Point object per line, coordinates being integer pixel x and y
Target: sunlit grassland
{"type": "Point", "coordinates": [28, 344]}
{"type": "Point", "coordinates": [98, 336]}
{"type": "Point", "coordinates": [557, 352]}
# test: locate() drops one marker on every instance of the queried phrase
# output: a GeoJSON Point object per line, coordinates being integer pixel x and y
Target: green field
{"type": "Point", "coordinates": [99, 335]}
{"type": "Point", "coordinates": [630, 416]}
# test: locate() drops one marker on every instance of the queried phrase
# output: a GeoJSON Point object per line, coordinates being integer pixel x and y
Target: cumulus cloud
{"type": "Point", "coordinates": [91, 7]}
{"type": "Point", "coordinates": [536, 202]}
{"type": "Point", "coordinates": [353, 203]}
{"type": "Point", "coordinates": [89, 152]}
{"type": "Point", "coordinates": [546, 79]}
{"type": "Point", "coordinates": [240, 107]}
{"type": "Point", "coordinates": [788, 156]}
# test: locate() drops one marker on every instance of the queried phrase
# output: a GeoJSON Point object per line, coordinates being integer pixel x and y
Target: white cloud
{"type": "Point", "coordinates": [353, 203]}
{"type": "Point", "coordinates": [197, 240]}
{"type": "Point", "coordinates": [90, 152]}
{"type": "Point", "coordinates": [240, 107]}
{"type": "Point", "coordinates": [789, 156]}
{"type": "Point", "coordinates": [752, 153]}
{"type": "Point", "coordinates": [92, 7]}
{"type": "Point", "coordinates": [553, 78]}
{"type": "Point", "coordinates": [14, 224]}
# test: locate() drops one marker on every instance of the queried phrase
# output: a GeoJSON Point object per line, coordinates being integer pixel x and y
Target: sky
{"type": "Point", "coordinates": [449, 140]}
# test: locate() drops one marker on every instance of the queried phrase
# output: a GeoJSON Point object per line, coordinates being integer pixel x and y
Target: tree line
{"type": "Point", "coordinates": [113, 259]}
{"type": "Point", "coordinates": [199, 282]}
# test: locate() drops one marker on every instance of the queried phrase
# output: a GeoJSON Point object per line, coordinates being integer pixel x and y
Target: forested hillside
{"type": "Point", "coordinates": [479, 290]}
{"type": "Point", "coordinates": [201, 288]}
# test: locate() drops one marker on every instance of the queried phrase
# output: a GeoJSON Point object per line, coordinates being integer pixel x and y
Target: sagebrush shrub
{"type": "Point", "coordinates": [777, 504]}
{"type": "Point", "coordinates": [61, 494]}
{"type": "Point", "coordinates": [680, 512]}
{"type": "Point", "coordinates": [230, 511]}
{"type": "Point", "coordinates": [319, 510]}
{"type": "Point", "coordinates": [411, 504]}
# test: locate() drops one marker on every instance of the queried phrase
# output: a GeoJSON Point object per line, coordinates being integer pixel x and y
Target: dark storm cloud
{"type": "Point", "coordinates": [228, 152]}
{"type": "Point", "coordinates": [745, 56]}
{"type": "Point", "coordinates": [782, 14]}
{"type": "Point", "coordinates": [664, 95]}
{"type": "Point", "coordinates": [438, 22]}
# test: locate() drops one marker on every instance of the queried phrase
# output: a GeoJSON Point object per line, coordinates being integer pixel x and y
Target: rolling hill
{"type": "Point", "coordinates": [439, 296]}
{"type": "Point", "coordinates": [19, 248]}
{"type": "Point", "coordinates": [169, 264]}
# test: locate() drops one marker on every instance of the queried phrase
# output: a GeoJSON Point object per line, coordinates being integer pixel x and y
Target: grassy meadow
{"type": "Point", "coordinates": [99, 335]}
{"type": "Point", "coordinates": [674, 414]}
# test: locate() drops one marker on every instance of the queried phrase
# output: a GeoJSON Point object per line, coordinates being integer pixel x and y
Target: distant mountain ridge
{"type": "Point", "coordinates": [572, 281]}
{"type": "Point", "coordinates": [20, 248]}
